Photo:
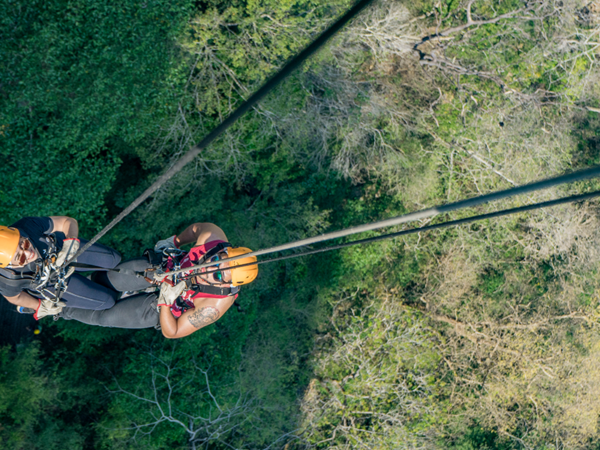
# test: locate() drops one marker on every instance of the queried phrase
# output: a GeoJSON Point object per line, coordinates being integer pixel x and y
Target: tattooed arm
{"type": "Point", "coordinates": [206, 311]}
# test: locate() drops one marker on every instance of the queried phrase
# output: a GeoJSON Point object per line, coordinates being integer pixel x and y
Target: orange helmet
{"type": "Point", "coordinates": [243, 275]}
{"type": "Point", "coordinates": [9, 241]}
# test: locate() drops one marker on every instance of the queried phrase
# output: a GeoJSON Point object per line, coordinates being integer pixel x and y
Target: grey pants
{"type": "Point", "coordinates": [84, 293]}
{"type": "Point", "coordinates": [122, 282]}
{"type": "Point", "coordinates": [87, 294]}
{"type": "Point", "coordinates": [135, 312]}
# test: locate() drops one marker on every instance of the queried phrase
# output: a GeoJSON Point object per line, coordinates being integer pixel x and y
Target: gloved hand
{"type": "Point", "coordinates": [168, 293]}
{"type": "Point", "coordinates": [70, 247]}
{"type": "Point", "coordinates": [48, 308]}
{"type": "Point", "coordinates": [166, 244]}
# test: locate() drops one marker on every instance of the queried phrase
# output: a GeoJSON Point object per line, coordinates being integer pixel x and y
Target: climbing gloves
{"type": "Point", "coordinates": [70, 248]}
{"type": "Point", "coordinates": [48, 308]}
{"type": "Point", "coordinates": [166, 244]}
{"type": "Point", "coordinates": [168, 293]}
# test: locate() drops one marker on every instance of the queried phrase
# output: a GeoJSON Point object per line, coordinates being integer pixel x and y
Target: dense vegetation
{"type": "Point", "coordinates": [477, 337]}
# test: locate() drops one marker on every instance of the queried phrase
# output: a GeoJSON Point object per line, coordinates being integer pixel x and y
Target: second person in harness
{"type": "Point", "coordinates": [182, 307]}
{"type": "Point", "coordinates": [30, 251]}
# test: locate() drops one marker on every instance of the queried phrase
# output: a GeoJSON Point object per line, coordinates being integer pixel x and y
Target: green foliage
{"type": "Point", "coordinates": [478, 438]}
{"type": "Point", "coordinates": [81, 84]}
{"type": "Point", "coordinates": [463, 338]}
{"type": "Point", "coordinates": [32, 411]}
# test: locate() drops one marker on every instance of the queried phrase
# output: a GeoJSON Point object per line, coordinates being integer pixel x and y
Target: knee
{"type": "Point", "coordinates": [116, 259]}
{"type": "Point", "coordinates": [103, 256]}
{"type": "Point", "coordinates": [65, 313]}
{"type": "Point", "coordinates": [113, 260]}
{"type": "Point", "coordinates": [99, 300]}
{"type": "Point", "coordinates": [108, 303]}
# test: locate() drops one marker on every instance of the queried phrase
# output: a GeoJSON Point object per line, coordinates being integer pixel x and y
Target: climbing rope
{"type": "Point", "coordinates": [426, 213]}
{"type": "Point", "coordinates": [269, 85]}
{"type": "Point", "coordinates": [191, 271]}
{"type": "Point", "coordinates": [431, 212]}
{"type": "Point", "coordinates": [453, 223]}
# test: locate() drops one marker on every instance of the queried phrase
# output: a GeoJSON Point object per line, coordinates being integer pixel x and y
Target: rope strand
{"type": "Point", "coordinates": [269, 85]}
{"type": "Point", "coordinates": [505, 212]}
{"type": "Point", "coordinates": [431, 212]}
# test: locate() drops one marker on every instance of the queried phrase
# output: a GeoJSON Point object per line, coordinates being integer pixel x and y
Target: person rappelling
{"type": "Point", "coordinates": [32, 253]}
{"type": "Point", "coordinates": [188, 300]}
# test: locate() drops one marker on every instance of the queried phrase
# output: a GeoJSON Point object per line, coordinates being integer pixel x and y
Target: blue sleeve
{"type": "Point", "coordinates": [34, 227]}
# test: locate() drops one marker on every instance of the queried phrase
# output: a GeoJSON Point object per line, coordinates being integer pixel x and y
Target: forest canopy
{"type": "Point", "coordinates": [483, 336]}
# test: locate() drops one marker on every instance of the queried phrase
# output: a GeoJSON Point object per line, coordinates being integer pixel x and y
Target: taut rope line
{"type": "Point", "coordinates": [504, 212]}
{"type": "Point", "coordinates": [425, 213]}
{"type": "Point", "coordinates": [231, 119]}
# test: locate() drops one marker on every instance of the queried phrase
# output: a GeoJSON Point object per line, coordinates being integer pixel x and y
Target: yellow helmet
{"type": "Point", "coordinates": [9, 241]}
{"type": "Point", "coordinates": [243, 275]}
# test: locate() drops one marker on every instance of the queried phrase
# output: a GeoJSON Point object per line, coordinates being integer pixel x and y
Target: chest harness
{"type": "Point", "coordinates": [176, 256]}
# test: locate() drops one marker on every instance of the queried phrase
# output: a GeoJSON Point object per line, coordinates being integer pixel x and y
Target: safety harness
{"type": "Point", "coordinates": [16, 280]}
{"type": "Point", "coordinates": [160, 261]}
{"type": "Point", "coordinates": [208, 288]}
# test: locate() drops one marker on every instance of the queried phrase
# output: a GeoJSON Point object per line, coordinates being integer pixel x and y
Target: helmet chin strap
{"type": "Point", "coordinates": [211, 288]}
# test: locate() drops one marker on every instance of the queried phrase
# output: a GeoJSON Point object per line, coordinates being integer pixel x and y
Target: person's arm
{"type": "Point", "coordinates": [200, 233]}
{"type": "Point", "coordinates": [25, 300]}
{"type": "Point", "coordinates": [66, 225]}
{"type": "Point", "coordinates": [205, 312]}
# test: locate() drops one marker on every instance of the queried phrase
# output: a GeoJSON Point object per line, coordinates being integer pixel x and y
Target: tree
{"type": "Point", "coordinates": [171, 401]}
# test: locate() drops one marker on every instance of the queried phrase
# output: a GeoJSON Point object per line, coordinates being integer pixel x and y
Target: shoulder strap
{"type": "Point", "coordinates": [7, 273]}
{"type": "Point", "coordinates": [215, 290]}
{"type": "Point", "coordinates": [213, 251]}
{"type": "Point", "coordinates": [15, 280]}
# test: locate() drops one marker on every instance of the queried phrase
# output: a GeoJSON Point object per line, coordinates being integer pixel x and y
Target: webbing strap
{"type": "Point", "coordinates": [214, 290]}
{"type": "Point", "coordinates": [9, 274]}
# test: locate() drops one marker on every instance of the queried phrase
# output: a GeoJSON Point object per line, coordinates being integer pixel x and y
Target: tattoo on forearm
{"type": "Point", "coordinates": [204, 316]}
